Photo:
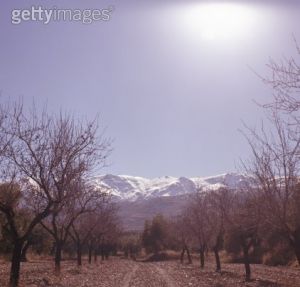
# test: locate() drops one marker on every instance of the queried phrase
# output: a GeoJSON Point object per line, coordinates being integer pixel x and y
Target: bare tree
{"type": "Point", "coordinates": [96, 211]}
{"type": "Point", "coordinates": [84, 198]}
{"type": "Point", "coordinates": [218, 204]}
{"type": "Point", "coordinates": [182, 235]}
{"type": "Point", "coordinates": [44, 154]}
{"type": "Point", "coordinates": [130, 243]}
{"type": "Point", "coordinates": [97, 226]}
{"type": "Point", "coordinates": [275, 168]}
{"type": "Point", "coordinates": [207, 212]}
{"type": "Point", "coordinates": [20, 159]}
{"type": "Point", "coordinates": [199, 223]}
{"type": "Point", "coordinates": [285, 82]}
{"type": "Point", "coordinates": [107, 231]}
{"type": "Point", "coordinates": [243, 219]}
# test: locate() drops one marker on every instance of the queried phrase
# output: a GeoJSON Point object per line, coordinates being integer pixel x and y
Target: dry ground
{"type": "Point", "coordinates": [125, 273]}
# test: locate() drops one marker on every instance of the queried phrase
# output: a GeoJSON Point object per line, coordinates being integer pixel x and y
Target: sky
{"type": "Point", "coordinates": [172, 81]}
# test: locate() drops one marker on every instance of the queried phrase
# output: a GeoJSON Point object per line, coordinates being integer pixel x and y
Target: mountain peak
{"type": "Point", "coordinates": [131, 188]}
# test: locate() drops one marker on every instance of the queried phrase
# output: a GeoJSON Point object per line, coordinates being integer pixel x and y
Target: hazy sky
{"type": "Point", "coordinates": [172, 82]}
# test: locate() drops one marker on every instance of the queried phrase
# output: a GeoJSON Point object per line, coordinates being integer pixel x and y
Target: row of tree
{"type": "Point", "coordinates": [264, 213]}
{"type": "Point", "coordinates": [46, 166]}
{"type": "Point", "coordinates": [234, 221]}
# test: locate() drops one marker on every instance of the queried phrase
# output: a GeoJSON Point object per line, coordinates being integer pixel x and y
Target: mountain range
{"type": "Point", "coordinates": [141, 198]}
{"type": "Point", "coordinates": [132, 188]}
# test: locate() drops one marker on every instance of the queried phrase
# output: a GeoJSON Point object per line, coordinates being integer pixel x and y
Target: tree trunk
{"type": "Point", "coordinates": [218, 262]}
{"type": "Point", "coordinates": [296, 244]}
{"type": "Point", "coordinates": [95, 255]}
{"type": "Point", "coordinates": [247, 263]}
{"type": "Point", "coordinates": [90, 254]}
{"type": "Point", "coordinates": [79, 254]}
{"type": "Point", "coordinates": [201, 258]}
{"type": "Point", "coordinates": [188, 255]}
{"type": "Point", "coordinates": [297, 252]}
{"type": "Point", "coordinates": [182, 255]}
{"type": "Point", "coordinates": [107, 252]}
{"type": "Point", "coordinates": [102, 253]}
{"type": "Point", "coordinates": [57, 258]}
{"type": "Point", "coordinates": [24, 252]}
{"type": "Point", "coordinates": [15, 265]}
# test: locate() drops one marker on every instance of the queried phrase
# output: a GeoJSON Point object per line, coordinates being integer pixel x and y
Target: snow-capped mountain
{"type": "Point", "coordinates": [133, 188]}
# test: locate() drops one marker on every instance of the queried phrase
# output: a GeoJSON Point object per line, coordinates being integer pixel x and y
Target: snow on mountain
{"type": "Point", "coordinates": [230, 180]}
{"type": "Point", "coordinates": [133, 188]}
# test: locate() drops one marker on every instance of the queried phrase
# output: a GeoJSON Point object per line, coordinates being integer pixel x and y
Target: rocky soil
{"type": "Point", "coordinates": [125, 273]}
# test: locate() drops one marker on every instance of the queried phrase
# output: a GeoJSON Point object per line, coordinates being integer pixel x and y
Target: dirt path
{"type": "Point", "coordinates": [169, 281]}
{"type": "Point", "coordinates": [118, 272]}
{"type": "Point", "coordinates": [129, 276]}
{"type": "Point", "coordinates": [148, 275]}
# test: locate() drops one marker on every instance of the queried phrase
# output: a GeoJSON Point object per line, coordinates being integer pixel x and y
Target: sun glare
{"type": "Point", "coordinates": [219, 21]}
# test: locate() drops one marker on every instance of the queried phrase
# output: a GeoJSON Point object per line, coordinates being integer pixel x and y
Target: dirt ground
{"type": "Point", "coordinates": [126, 273]}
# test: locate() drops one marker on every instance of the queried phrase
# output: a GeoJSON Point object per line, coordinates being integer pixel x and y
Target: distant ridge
{"type": "Point", "coordinates": [132, 188]}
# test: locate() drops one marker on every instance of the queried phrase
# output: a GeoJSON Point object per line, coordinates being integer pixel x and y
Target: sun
{"type": "Point", "coordinates": [218, 21]}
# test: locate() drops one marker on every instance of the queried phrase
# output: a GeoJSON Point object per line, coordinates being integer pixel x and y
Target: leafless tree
{"type": "Point", "coordinates": [43, 155]}
{"type": "Point", "coordinates": [243, 219]}
{"type": "Point", "coordinates": [85, 199]}
{"type": "Point", "coordinates": [274, 164]}
{"type": "Point", "coordinates": [285, 82]}
{"type": "Point", "coordinates": [199, 222]}
{"type": "Point", "coordinates": [85, 225]}
{"type": "Point", "coordinates": [107, 231]}
{"type": "Point", "coordinates": [275, 168]}
{"type": "Point", "coordinates": [218, 204]}
{"type": "Point", "coordinates": [181, 232]}
{"type": "Point", "coordinates": [204, 220]}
